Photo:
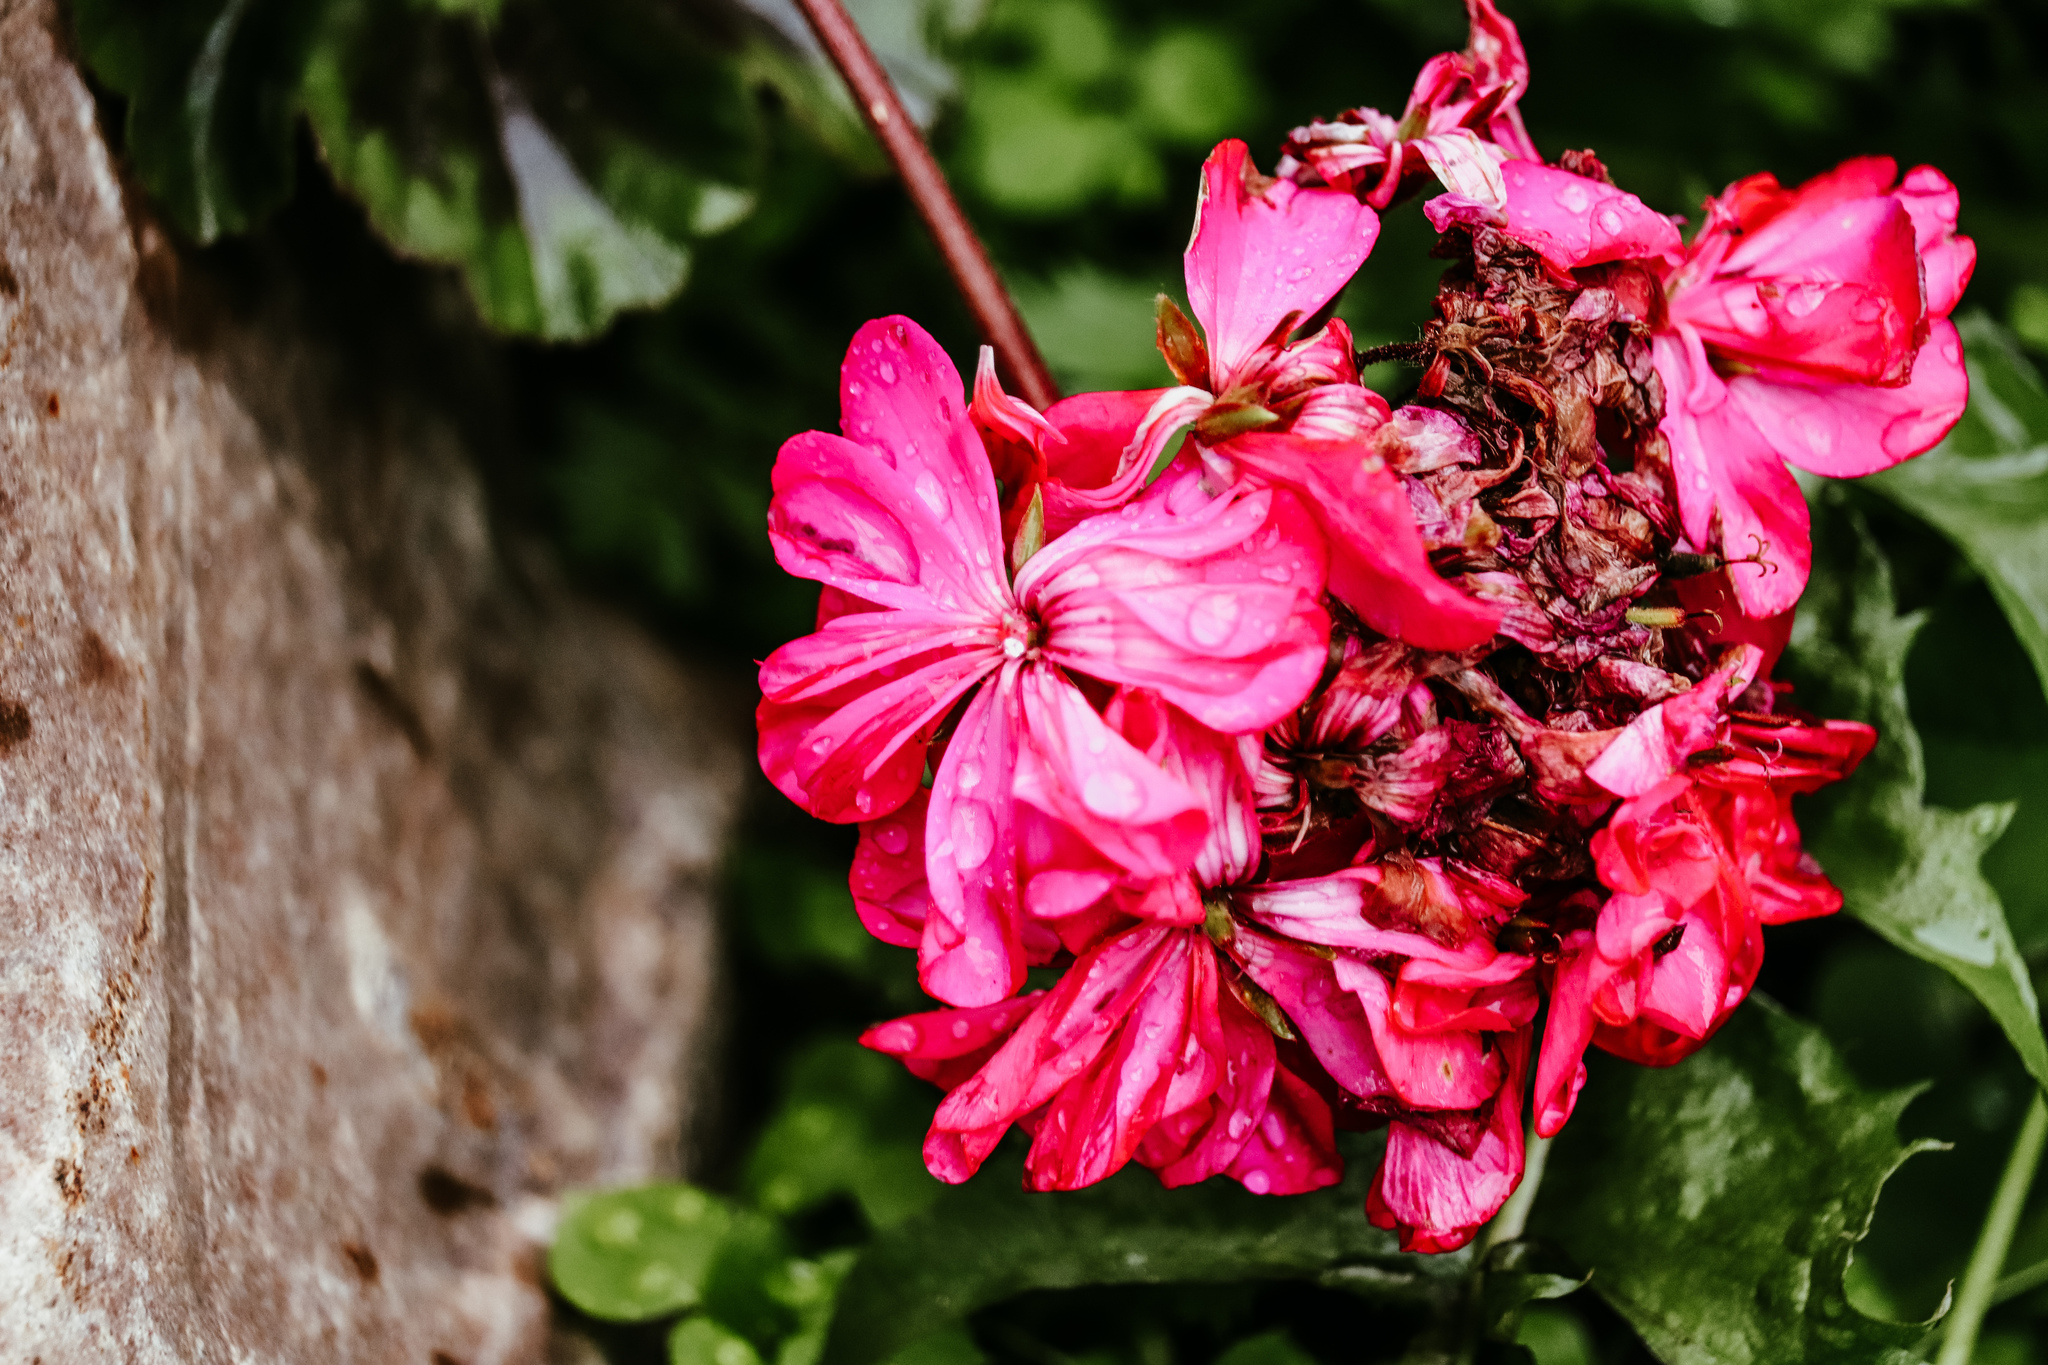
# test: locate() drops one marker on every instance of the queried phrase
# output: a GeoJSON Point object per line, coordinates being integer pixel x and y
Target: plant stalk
{"type": "Point", "coordinates": [1980, 1279]}
{"type": "Point", "coordinates": [994, 310]}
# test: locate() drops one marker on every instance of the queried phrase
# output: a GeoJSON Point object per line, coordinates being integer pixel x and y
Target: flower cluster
{"type": "Point", "coordinates": [1239, 788]}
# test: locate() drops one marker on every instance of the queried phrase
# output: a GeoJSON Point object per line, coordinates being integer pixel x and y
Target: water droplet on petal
{"type": "Point", "coordinates": [974, 833]}
{"type": "Point", "coordinates": [1213, 618]}
{"type": "Point", "coordinates": [1573, 197]}
{"type": "Point", "coordinates": [1112, 795]}
{"type": "Point", "coordinates": [1610, 221]}
{"type": "Point", "coordinates": [1258, 1182]}
{"type": "Point", "coordinates": [886, 372]}
{"type": "Point", "coordinates": [892, 838]}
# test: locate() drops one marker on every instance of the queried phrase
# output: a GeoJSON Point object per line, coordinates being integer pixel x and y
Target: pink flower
{"type": "Point", "coordinates": [1460, 123]}
{"type": "Point", "coordinates": [1212, 601]}
{"type": "Point", "coordinates": [1416, 1017]}
{"type": "Point", "coordinates": [1698, 864]}
{"type": "Point", "coordinates": [1570, 220]}
{"type": "Point", "coordinates": [1808, 327]}
{"type": "Point", "coordinates": [1268, 412]}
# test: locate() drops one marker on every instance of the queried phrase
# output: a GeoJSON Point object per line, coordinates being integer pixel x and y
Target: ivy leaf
{"type": "Point", "coordinates": [1986, 486]}
{"type": "Point", "coordinates": [564, 157]}
{"type": "Point", "coordinates": [633, 1254]}
{"type": "Point", "coordinates": [987, 1240]}
{"type": "Point", "coordinates": [1909, 870]}
{"type": "Point", "coordinates": [1717, 1203]}
{"type": "Point", "coordinates": [212, 89]}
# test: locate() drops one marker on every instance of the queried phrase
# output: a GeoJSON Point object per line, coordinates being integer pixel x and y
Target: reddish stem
{"type": "Point", "coordinates": [994, 311]}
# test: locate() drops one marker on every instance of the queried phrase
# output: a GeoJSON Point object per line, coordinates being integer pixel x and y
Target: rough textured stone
{"type": "Point", "coordinates": [353, 877]}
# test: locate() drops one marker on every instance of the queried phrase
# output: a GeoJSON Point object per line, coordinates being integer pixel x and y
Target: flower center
{"type": "Point", "coordinates": [1023, 637]}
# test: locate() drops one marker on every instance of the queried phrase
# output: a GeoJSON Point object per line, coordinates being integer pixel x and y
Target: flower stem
{"type": "Point", "coordinates": [994, 311]}
{"type": "Point", "coordinates": [1980, 1279]}
{"type": "Point", "coordinates": [1513, 1217]}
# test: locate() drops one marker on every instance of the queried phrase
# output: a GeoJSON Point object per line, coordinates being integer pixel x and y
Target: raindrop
{"type": "Point", "coordinates": [1112, 795]}
{"type": "Point", "coordinates": [1213, 618]}
{"type": "Point", "coordinates": [1610, 221]}
{"type": "Point", "coordinates": [892, 837]}
{"type": "Point", "coordinates": [886, 372]}
{"type": "Point", "coordinates": [1574, 197]}
{"type": "Point", "coordinates": [1258, 1182]}
{"type": "Point", "coordinates": [974, 835]}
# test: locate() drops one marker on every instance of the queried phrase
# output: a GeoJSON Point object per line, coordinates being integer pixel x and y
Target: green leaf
{"type": "Point", "coordinates": [1717, 1202]}
{"type": "Point", "coordinates": [988, 1240]}
{"type": "Point", "coordinates": [211, 89]}
{"type": "Point", "coordinates": [849, 1125]}
{"type": "Point", "coordinates": [1986, 486]}
{"type": "Point", "coordinates": [564, 157]}
{"type": "Point", "coordinates": [700, 1341]}
{"type": "Point", "coordinates": [1516, 1275]}
{"type": "Point", "coordinates": [1909, 870]}
{"type": "Point", "coordinates": [745, 1287]}
{"type": "Point", "coordinates": [633, 1254]}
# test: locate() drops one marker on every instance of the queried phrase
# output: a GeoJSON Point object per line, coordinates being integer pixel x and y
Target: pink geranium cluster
{"type": "Point", "coordinates": [1239, 788]}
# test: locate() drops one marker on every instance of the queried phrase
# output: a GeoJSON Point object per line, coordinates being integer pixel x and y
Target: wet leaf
{"type": "Point", "coordinates": [700, 1341]}
{"type": "Point", "coordinates": [563, 157]}
{"type": "Point", "coordinates": [1717, 1203]}
{"type": "Point", "coordinates": [851, 1124]}
{"type": "Point", "coordinates": [212, 90]}
{"type": "Point", "coordinates": [633, 1254]}
{"type": "Point", "coordinates": [989, 1240]}
{"type": "Point", "coordinates": [1909, 870]}
{"type": "Point", "coordinates": [1986, 486]}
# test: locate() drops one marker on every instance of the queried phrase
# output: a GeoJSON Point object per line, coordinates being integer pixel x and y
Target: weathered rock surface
{"type": "Point", "coordinates": [353, 878]}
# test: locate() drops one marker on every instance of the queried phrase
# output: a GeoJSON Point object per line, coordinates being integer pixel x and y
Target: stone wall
{"type": "Point", "coordinates": [354, 877]}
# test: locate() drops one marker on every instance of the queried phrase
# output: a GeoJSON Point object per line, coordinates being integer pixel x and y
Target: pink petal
{"type": "Point", "coordinates": [890, 892]}
{"type": "Point", "coordinates": [1074, 767]}
{"type": "Point", "coordinates": [948, 1046]}
{"type": "Point", "coordinates": [1216, 768]}
{"type": "Point", "coordinates": [900, 396]}
{"type": "Point", "coordinates": [1263, 250]}
{"type": "Point", "coordinates": [844, 713]}
{"type": "Point", "coordinates": [1843, 430]}
{"type": "Point", "coordinates": [1067, 502]}
{"type": "Point", "coordinates": [971, 953]}
{"type": "Point", "coordinates": [1427, 1070]}
{"type": "Point", "coordinates": [1096, 1121]}
{"type": "Point", "coordinates": [1727, 468]}
{"type": "Point", "coordinates": [1560, 1066]}
{"type": "Point", "coordinates": [843, 516]}
{"type": "Point", "coordinates": [1211, 602]}
{"type": "Point", "coordinates": [1497, 58]}
{"type": "Point", "coordinates": [1569, 220]}
{"type": "Point", "coordinates": [1658, 741]}
{"type": "Point", "coordinates": [1377, 565]}
{"type": "Point", "coordinates": [1218, 1128]}
{"type": "Point", "coordinates": [1330, 1018]}
{"type": "Point", "coordinates": [1095, 429]}
{"type": "Point", "coordinates": [1835, 294]}
{"type": "Point", "coordinates": [1439, 1199]}
{"type": "Point", "coordinates": [1465, 167]}
{"type": "Point", "coordinates": [1686, 984]}
{"type": "Point", "coordinates": [1946, 259]}
{"type": "Point", "coordinates": [1293, 1148]}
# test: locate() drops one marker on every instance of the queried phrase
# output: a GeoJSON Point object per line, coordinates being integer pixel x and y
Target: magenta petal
{"type": "Point", "coordinates": [1687, 984]}
{"type": "Point", "coordinates": [1330, 1019]}
{"type": "Point", "coordinates": [1211, 602]}
{"type": "Point", "coordinates": [1946, 258]}
{"type": "Point", "coordinates": [1262, 251]}
{"type": "Point", "coordinates": [1293, 1148]}
{"type": "Point", "coordinates": [843, 516]}
{"type": "Point", "coordinates": [1440, 1199]}
{"type": "Point", "coordinates": [1569, 220]}
{"type": "Point", "coordinates": [842, 710]}
{"type": "Point", "coordinates": [890, 892]}
{"type": "Point", "coordinates": [1096, 1121]}
{"type": "Point", "coordinates": [1657, 742]}
{"type": "Point", "coordinates": [1560, 1066]}
{"type": "Point", "coordinates": [971, 953]}
{"type": "Point", "coordinates": [1427, 1070]}
{"type": "Point", "coordinates": [1244, 1081]}
{"type": "Point", "coordinates": [1076, 768]}
{"type": "Point", "coordinates": [1726, 468]}
{"type": "Point", "coordinates": [1377, 563]}
{"type": "Point", "coordinates": [1843, 430]}
{"type": "Point", "coordinates": [900, 396]}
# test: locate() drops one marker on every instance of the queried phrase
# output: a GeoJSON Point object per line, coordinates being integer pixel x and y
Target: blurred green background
{"type": "Point", "coordinates": [1073, 130]}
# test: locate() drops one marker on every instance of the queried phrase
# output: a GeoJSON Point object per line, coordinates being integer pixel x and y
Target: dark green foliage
{"type": "Point", "coordinates": [990, 1240]}
{"type": "Point", "coordinates": [1717, 1203]}
{"type": "Point", "coordinates": [212, 91]}
{"type": "Point", "coordinates": [1910, 871]}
